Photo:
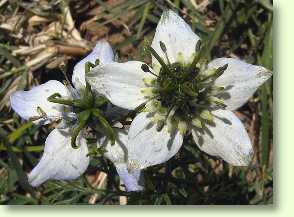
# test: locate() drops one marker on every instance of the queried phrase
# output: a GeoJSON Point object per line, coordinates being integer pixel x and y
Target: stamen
{"type": "Point", "coordinates": [63, 69]}
{"type": "Point", "coordinates": [206, 115]}
{"type": "Point", "coordinates": [159, 125]}
{"type": "Point", "coordinates": [163, 48]}
{"type": "Point", "coordinates": [182, 126]}
{"type": "Point", "coordinates": [148, 81]}
{"type": "Point", "coordinates": [149, 91]}
{"type": "Point", "coordinates": [97, 62]}
{"type": "Point", "coordinates": [198, 46]}
{"type": "Point", "coordinates": [146, 68]}
{"type": "Point", "coordinates": [221, 70]}
{"type": "Point", "coordinates": [41, 112]}
{"type": "Point", "coordinates": [159, 59]}
{"type": "Point", "coordinates": [35, 118]}
{"type": "Point", "coordinates": [198, 49]}
{"type": "Point", "coordinates": [217, 101]}
{"type": "Point", "coordinates": [197, 123]}
{"type": "Point", "coordinates": [88, 66]}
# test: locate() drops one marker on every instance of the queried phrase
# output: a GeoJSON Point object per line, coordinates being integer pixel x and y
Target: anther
{"type": "Point", "coordinates": [221, 70]}
{"type": "Point", "coordinates": [198, 46]}
{"type": "Point", "coordinates": [146, 68]}
{"type": "Point", "coordinates": [217, 101]}
{"type": "Point", "coordinates": [159, 125]}
{"type": "Point", "coordinates": [206, 115]}
{"type": "Point", "coordinates": [97, 62]}
{"type": "Point", "coordinates": [163, 48]}
{"type": "Point", "coordinates": [41, 112]}
{"type": "Point", "coordinates": [159, 59]}
{"type": "Point", "coordinates": [182, 127]}
{"type": "Point", "coordinates": [88, 66]}
{"type": "Point", "coordinates": [197, 122]}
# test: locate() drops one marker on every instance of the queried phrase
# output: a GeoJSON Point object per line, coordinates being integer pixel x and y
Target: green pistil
{"type": "Point", "coordinates": [88, 108]}
{"type": "Point", "coordinates": [188, 88]}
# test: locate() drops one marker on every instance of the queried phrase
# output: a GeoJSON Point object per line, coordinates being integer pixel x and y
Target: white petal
{"type": "Point", "coordinates": [149, 147]}
{"type": "Point", "coordinates": [243, 78]}
{"type": "Point", "coordinates": [102, 51]}
{"type": "Point", "coordinates": [121, 83]}
{"type": "Point", "coordinates": [25, 103]}
{"type": "Point", "coordinates": [117, 154]}
{"type": "Point", "coordinates": [177, 36]}
{"type": "Point", "coordinates": [60, 161]}
{"type": "Point", "coordinates": [130, 179]}
{"type": "Point", "coordinates": [228, 139]}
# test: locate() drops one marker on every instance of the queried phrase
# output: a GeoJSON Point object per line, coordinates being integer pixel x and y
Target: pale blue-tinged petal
{"type": "Point", "coordinates": [60, 161]}
{"type": "Point", "coordinates": [101, 51]}
{"type": "Point", "coordinates": [177, 36]}
{"type": "Point", "coordinates": [121, 83]}
{"type": "Point", "coordinates": [129, 178]}
{"type": "Point", "coordinates": [118, 154]}
{"type": "Point", "coordinates": [241, 80]}
{"type": "Point", "coordinates": [26, 103]}
{"type": "Point", "coordinates": [227, 139]}
{"type": "Point", "coordinates": [147, 146]}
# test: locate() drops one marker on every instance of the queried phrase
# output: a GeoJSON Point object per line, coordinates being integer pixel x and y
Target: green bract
{"type": "Point", "coordinates": [87, 107]}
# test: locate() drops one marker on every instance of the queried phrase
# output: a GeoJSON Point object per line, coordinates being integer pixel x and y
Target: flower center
{"type": "Point", "coordinates": [183, 94]}
{"type": "Point", "coordinates": [88, 108]}
{"type": "Point", "coordinates": [177, 86]}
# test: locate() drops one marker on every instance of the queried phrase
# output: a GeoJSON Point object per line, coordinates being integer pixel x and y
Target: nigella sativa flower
{"type": "Point", "coordinates": [66, 155]}
{"type": "Point", "coordinates": [183, 95]}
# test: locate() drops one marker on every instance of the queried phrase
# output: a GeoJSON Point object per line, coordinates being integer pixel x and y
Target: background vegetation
{"type": "Point", "coordinates": [42, 40]}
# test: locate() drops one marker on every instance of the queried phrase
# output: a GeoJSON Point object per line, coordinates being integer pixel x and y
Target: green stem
{"type": "Point", "coordinates": [105, 124]}
{"type": "Point", "coordinates": [83, 118]}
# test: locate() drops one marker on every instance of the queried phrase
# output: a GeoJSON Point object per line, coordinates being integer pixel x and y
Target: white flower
{"type": "Point", "coordinates": [60, 160]}
{"type": "Point", "coordinates": [183, 95]}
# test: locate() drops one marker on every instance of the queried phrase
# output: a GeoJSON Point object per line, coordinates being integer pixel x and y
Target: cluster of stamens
{"type": "Point", "coordinates": [181, 94]}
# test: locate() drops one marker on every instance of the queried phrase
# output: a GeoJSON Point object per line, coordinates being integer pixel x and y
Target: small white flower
{"type": "Point", "coordinates": [60, 160]}
{"type": "Point", "coordinates": [182, 94]}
